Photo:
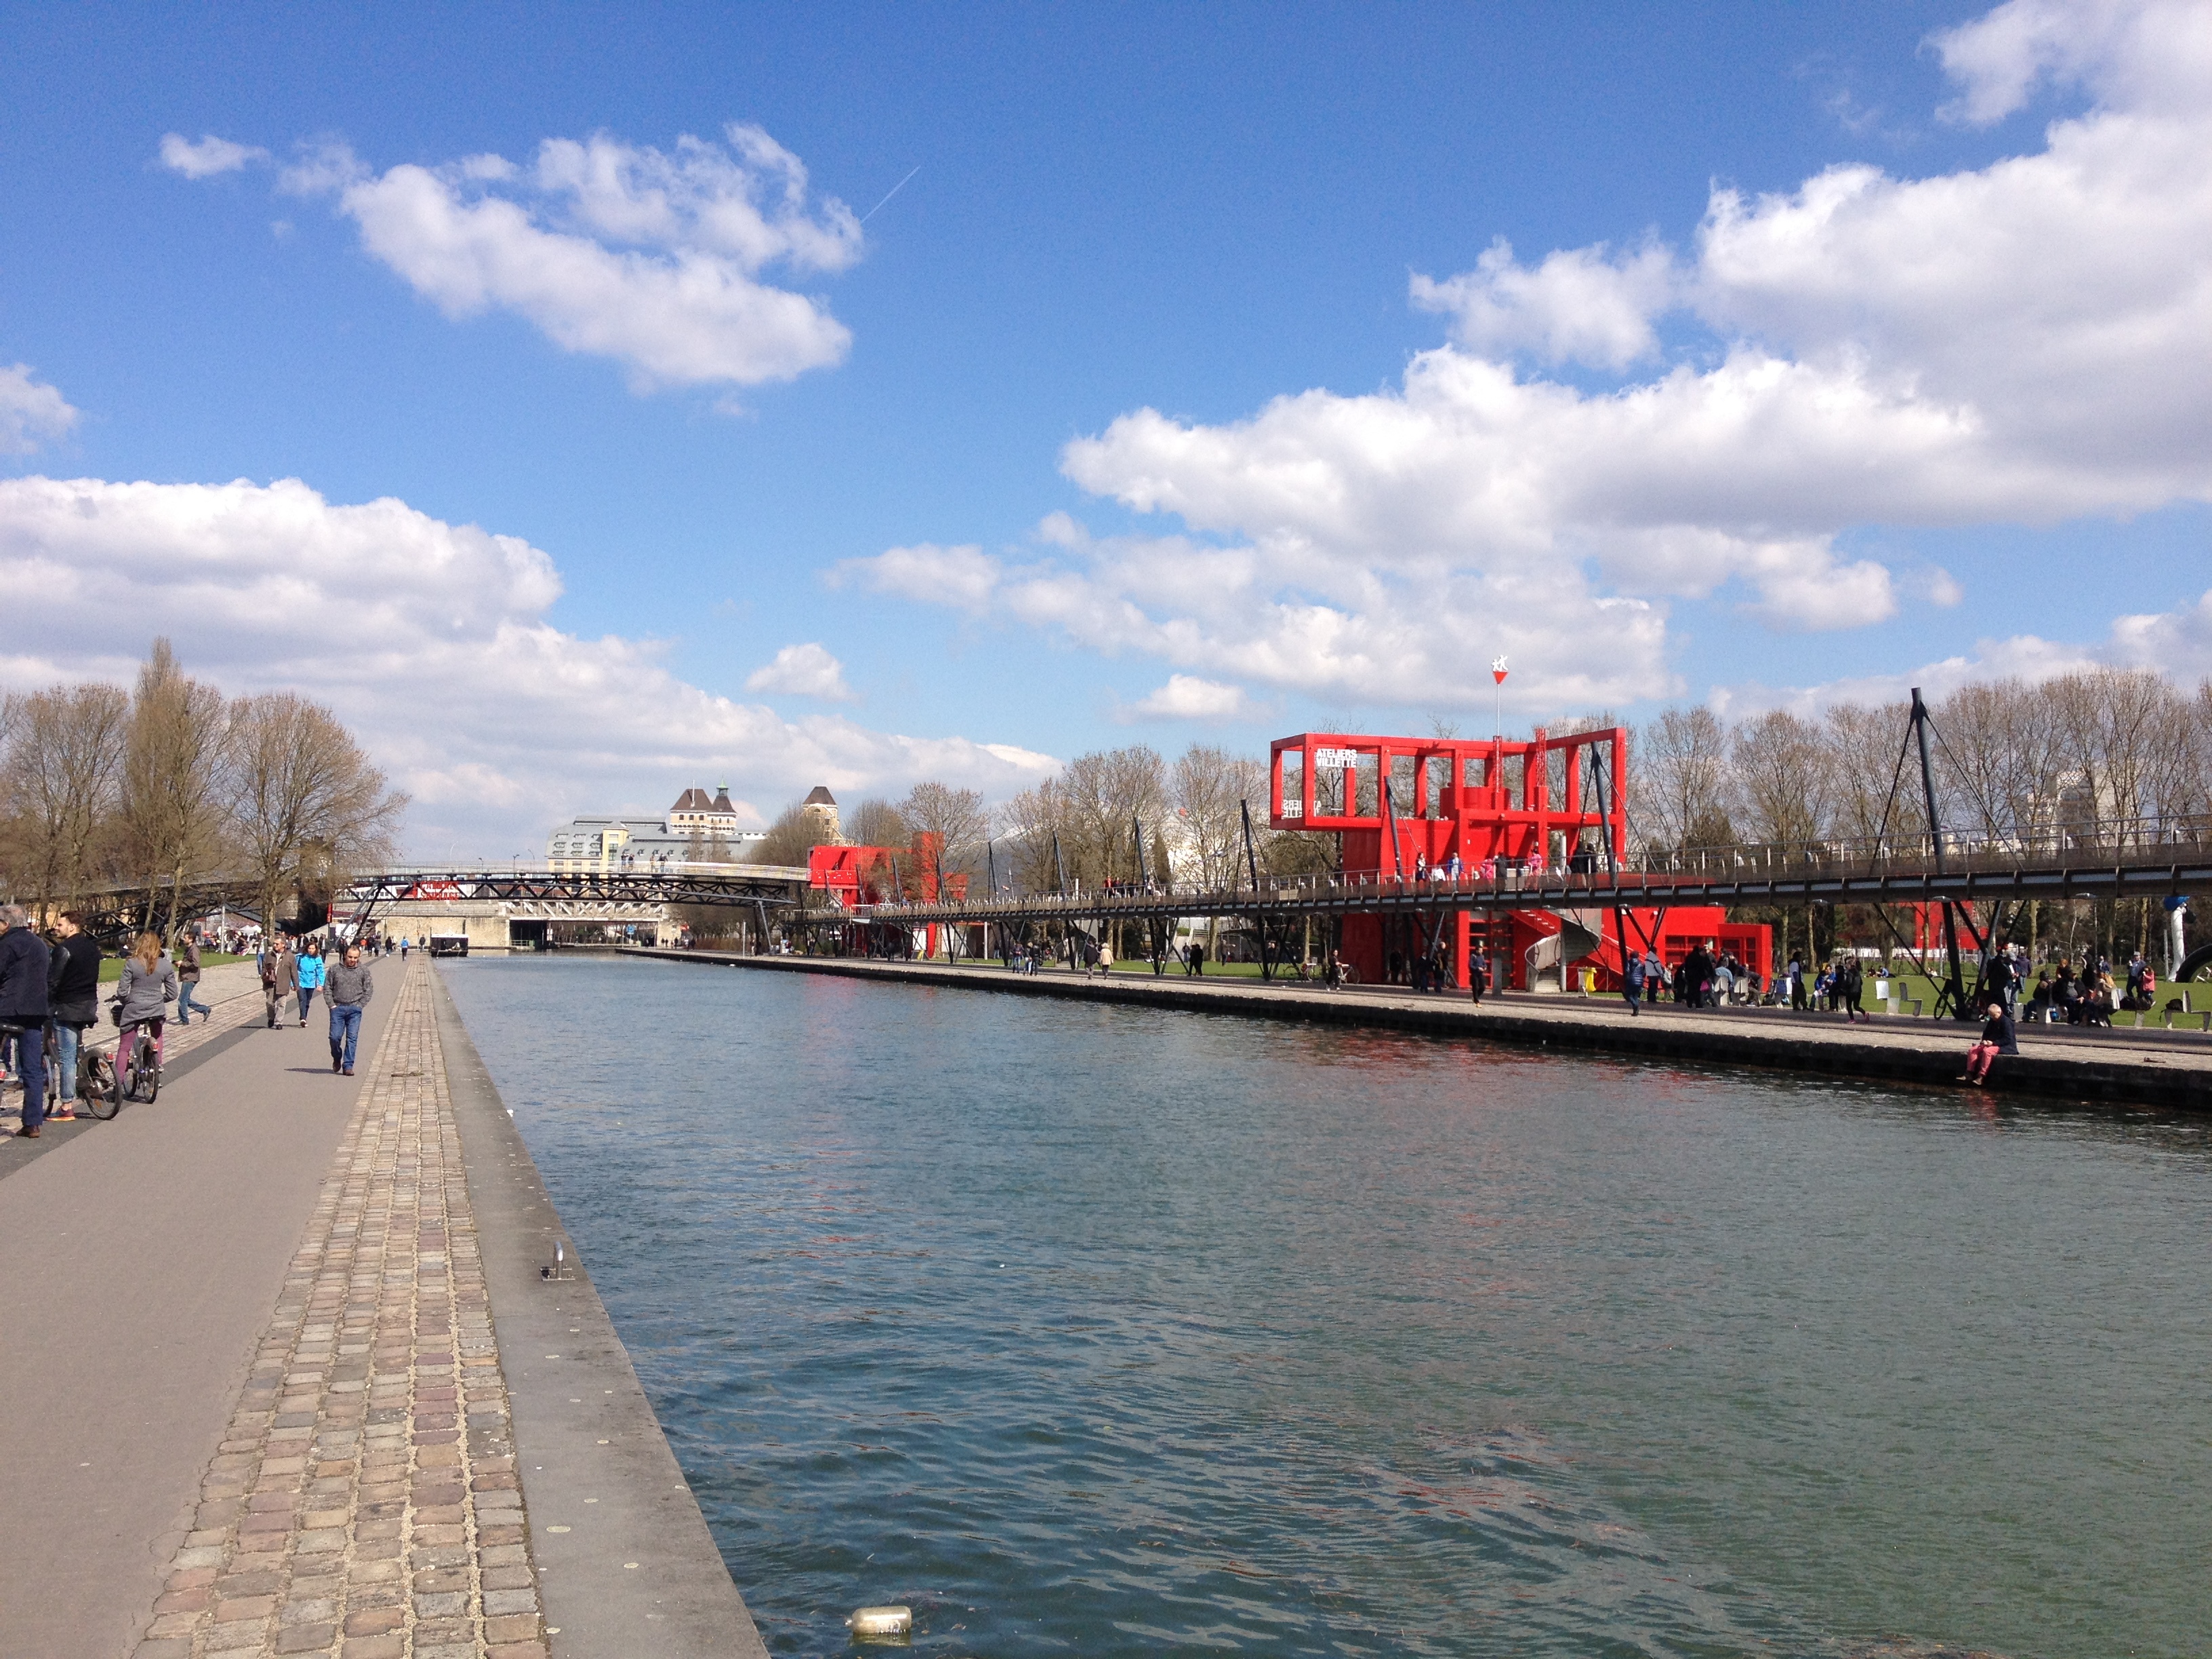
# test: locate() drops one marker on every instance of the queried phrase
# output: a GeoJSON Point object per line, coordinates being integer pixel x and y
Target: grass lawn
{"type": "Point", "coordinates": [111, 968]}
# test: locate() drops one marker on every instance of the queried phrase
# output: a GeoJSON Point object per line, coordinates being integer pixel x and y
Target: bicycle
{"type": "Point", "coordinates": [95, 1080]}
{"type": "Point", "coordinates": [135, 1074]}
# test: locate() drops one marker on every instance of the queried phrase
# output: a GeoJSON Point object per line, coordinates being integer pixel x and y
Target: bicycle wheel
{"type": "Point", "coordinates": [149, 1070]}
{"type": "Point", "coordinates": [97, 1085]}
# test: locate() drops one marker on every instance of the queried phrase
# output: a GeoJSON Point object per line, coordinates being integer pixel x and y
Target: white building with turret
{"type": "Point", "coordinates": [697, 829]}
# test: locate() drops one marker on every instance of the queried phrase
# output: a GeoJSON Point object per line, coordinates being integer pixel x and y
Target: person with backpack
{"type": "Point", "coordinates": [73, 996]}
{"type": "Point", "coordinates": [24, 1009]}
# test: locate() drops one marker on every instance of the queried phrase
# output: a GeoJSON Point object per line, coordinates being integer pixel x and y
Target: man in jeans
{"type": "Point", "coordinates": [187, 959]}
{"type": "Point", "coordinates": [23, 1005]}
{"type": "Point", "coordinates": [350, 986]}
{"type": "Point", "coordinates": [73, 993]}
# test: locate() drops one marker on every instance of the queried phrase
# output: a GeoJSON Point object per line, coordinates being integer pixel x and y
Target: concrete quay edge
{"type": "Point", "coordinates": [2162, 1077]}
{"type": "Point", "coordinates": [633, 1571]}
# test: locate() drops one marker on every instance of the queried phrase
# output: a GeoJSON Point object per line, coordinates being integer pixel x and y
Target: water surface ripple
{"type": "Point", "coordinates": [1106, 1331]}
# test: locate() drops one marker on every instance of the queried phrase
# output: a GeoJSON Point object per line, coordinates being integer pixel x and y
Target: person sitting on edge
{"type": "Point", "coordinates": [1998, 1037]}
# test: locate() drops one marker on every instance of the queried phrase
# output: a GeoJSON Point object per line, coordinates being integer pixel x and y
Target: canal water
{"type": "Point", "coordinates": [1101, 1331]}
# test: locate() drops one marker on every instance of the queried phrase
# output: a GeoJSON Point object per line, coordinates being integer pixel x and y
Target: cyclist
{"type": "Point", "coordinates": [73, 990]}
{"type": "Point", "coordinates": [23, 1007]}
{"type": "Point", "coordinates": [147, 986]}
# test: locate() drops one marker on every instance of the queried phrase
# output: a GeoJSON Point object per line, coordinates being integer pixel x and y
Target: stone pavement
{"type": "Point", "coordinates": [364, 1500]}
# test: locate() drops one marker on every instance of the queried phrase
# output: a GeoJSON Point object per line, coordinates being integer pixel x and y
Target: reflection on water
{"type": "Point", "coordinates": [1105, 1331]}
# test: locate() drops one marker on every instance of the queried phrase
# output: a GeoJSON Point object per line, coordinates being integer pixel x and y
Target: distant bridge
{"type": "Point", "coordinates": [496, 905]}
{"type": "Point", "coordinates": [2176, 857]}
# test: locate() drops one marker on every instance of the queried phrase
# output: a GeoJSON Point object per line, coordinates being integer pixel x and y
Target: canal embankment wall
{"type": "Point", "coordinates": [626, 1564]}
{"type": "Point", "coordinates": [2158, 1070]}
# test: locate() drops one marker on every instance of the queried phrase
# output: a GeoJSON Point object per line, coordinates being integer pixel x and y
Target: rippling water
{"type": "Point", "coordinates": [1102, 1331]}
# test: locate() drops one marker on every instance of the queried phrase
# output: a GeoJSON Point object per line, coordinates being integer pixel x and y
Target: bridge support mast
{"type": "Point", "coordinates": [1956, 990]}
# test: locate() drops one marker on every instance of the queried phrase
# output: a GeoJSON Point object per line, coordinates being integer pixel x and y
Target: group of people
{"type": "Point", "coordinates": [45, 984]}
{"type": "Point", "coordinates": [51, 986]}
{"type": "Point", "coordinates": [299, 973]}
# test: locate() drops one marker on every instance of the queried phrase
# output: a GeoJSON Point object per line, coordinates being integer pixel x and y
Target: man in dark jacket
{"type": "Point", "coordinates": [23, 1005]}
{"type": "Point", "coordinates": [73, 994]}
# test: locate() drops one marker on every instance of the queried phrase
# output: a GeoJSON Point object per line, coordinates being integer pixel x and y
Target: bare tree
{"type": "Point", "coordinates": [1211, 789]}
{"type": "Point", "coordinates": [1680, 790]}
{"type": "Point", "coordinates": [308, 806]}
{"type": "Point", "coordinates": [877, 823]}
{"type": "Point", "coordinates": [1784, 779]}
{"type": "Point", "coordinates": [174, 787]}
{"type": "Point", "coordinates": [64, 761]}
{"type": "Point", "coordinates": [794, 834]}
{"type": "Point", "coordinates": [955, 817]}
{"type": "Point", "coordinates": [1870, 795]}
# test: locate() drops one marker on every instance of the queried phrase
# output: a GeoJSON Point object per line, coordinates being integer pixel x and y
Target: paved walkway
{"type": "Point", "coordinates": [364, 1500]}
{"type": "Point", "coordinates": [182, 1472]}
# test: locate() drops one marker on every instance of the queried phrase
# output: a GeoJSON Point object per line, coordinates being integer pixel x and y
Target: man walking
{"type": "Point", "coordinates": [1632, 986]}
{"type": "Point", "coordinates": [280, 977]}
{"type": "Point", "coordinates": [350, 988]}
{"type": "Point", "coordinates": [73, 997]}
{"type": "Point", "coordinates": [24, 960]}
{"type": "Point", "coordinates": [187, 959]}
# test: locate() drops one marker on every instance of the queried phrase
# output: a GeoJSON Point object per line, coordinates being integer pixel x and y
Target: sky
{"type": "Point", "coordinates": [589, 402]}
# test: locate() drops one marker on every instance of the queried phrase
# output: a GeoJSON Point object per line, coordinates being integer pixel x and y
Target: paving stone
{"type": "Point", "coordinates": [346, 1469]}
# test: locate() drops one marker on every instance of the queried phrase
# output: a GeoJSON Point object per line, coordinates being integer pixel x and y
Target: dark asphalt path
{"type": "Point", "coordinates": [143, 1257]}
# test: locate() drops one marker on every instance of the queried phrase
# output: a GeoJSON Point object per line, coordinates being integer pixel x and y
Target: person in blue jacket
{"type": "Point", "coordinates": [311, 979]}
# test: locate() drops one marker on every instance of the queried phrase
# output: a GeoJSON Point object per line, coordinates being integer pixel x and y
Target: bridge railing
{"type": "Point", "coordinates": [2138, 843]}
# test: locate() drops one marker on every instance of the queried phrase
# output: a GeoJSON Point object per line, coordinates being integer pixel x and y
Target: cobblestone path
{"type": "Point", "coordinates": [364, 1501]}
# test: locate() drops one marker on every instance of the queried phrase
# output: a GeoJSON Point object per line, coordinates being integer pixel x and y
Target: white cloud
{"type": "Point", "coordinates": [1187, 698]}
{"type": "Point", "coordinates": [2145, 54]}
{"type": "Point", "coordinates": [961, 577]}
{"type": "Point", "coordinates": [210, 156]}
{"type": "Point", "coordinates": [805, 670]}
{"type": "Point", "coordinates": [615, 250]}
{"type": "Point", "coordinates": [1580, 304]}
{"type": "Point", "coordinates": [2023, 342]}
{"type": "Point", "coordinates": [430, 639]}
{"type": "Point", "coordinates": [32, 413]}
{"type": "Point", "coordinates": [2177, 643]}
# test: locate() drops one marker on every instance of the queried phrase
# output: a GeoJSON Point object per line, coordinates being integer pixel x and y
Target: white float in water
{"type": "Point", "coordinates": [877, 1623]}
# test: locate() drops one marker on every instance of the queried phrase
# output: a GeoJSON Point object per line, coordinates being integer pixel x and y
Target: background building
{"type": "Point", "coordinates": [697, 829]}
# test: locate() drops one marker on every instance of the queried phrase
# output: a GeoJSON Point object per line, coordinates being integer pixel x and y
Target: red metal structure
{"type": "Point", "coordinates": [881, 875]}
{"type": "Point", "coordinates": [1476, 814]}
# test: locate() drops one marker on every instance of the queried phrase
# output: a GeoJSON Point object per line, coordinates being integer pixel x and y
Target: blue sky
{"type": "Point", "coordinates": [1805, 451]}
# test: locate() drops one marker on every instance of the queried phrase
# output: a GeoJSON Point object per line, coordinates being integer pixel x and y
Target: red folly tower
{"type": "Point", "coordinates": [1460, 813]}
